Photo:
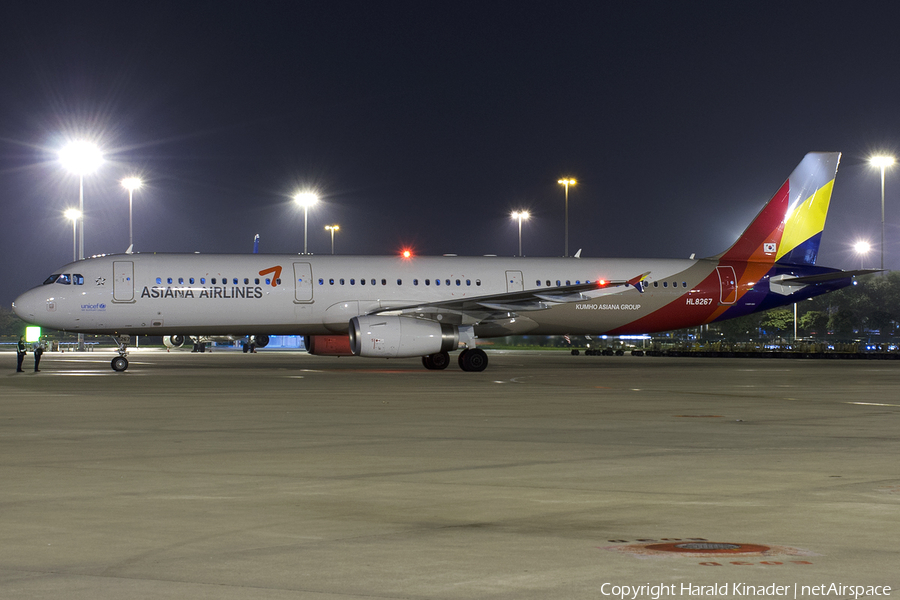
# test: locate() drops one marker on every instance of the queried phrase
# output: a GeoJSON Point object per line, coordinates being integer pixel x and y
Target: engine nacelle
{"type": "Point", "coordinates": [261, 340]}
{"type": "Point", "coordinates": [327, 345]}
{"type": "Point", "coordinates": [400, 337]}
{"type": "Point", "coordinates": [173, 341]}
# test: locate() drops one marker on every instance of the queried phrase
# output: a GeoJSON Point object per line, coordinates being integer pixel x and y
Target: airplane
{"type": "Point", "coordinates": [409, 306]}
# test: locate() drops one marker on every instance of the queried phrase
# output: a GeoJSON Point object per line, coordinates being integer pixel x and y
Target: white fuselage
{"type": "Point", "coordinates": [197, 294]}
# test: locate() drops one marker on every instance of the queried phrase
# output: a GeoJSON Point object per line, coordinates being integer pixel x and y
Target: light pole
{"type": "Point", "coordinates": [332, 229]}
{"type": "Point", "coordinates": [882, 162]}
{"type": "Point", "coordinates": [73, 214]}
{"type": "Point", "coordinates": [81, 158]}
{"type": "Point", "coordinates": [131, 184]}
{"type": "Point", "coordinates": [520, 216]}
{"type": "Point", "coordinates": [567, 183]}
{"type": "Point", "coordinates": [862, 248]}
{"type": "Point", "coordinates": [305, 199]}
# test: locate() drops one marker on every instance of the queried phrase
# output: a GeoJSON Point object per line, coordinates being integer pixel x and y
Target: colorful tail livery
{"type": "Point", "coordinates": [396, 307]}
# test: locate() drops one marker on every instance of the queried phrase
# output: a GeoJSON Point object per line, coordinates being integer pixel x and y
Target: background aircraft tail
{"type": "Point", "coordinates": [788, 230]}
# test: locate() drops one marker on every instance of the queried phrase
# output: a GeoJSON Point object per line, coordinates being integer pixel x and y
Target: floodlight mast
{"type": "Point", "coordinates": [131, 184]}
{"type": "Point", "coordinates": [882, 162]}
{"type": "Point", "coordinates": [81, 158]}
{"type": "Point", "coordinates": [305, 199]}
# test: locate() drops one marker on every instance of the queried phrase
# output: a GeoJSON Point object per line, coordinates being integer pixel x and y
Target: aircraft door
{"type": "Point", "coordinates": [727, 285]}
{"type": "Point", "coordinates": [123, 281]}
{"type": "Point", "coordinates": [303, 285]}
{"type": "Point", "coordinates": [514, 281]}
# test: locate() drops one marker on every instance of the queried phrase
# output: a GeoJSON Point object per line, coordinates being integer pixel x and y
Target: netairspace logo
{"type": "Point", "coordinates": [744, 590]}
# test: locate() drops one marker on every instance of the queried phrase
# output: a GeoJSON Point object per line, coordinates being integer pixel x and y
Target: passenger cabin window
{"type": "Point", "coordinates": [321, 281]}
{"type": "Point", "coordinates": [373, 282]}
{"type": "Point", "coordinates": [436, 282]}
{"type": "Point", "coordinates": [427, 282]}
{"type": "Point", "coordinates": [361, 281]}
{"type": "Point", "coordinates": [181, 281]}
{"type": "Point", "coordinates": [399, 282]}
{"type": "Point", "coordinates": [384, 282]}
{"type": "Point", "coordinates": [203, 280]}
{"type": "Point", "coordinates": [415, 282]}
{"type": "Point", "coordinates": [477, 282]}
{"type": "Point", "coordinates": [256, 281]}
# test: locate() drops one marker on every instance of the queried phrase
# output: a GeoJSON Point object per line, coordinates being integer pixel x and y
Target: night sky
{"type": "Point", "coordinates": [424, 124]}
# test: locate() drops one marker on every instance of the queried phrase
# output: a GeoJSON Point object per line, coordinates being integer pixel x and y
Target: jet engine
{"type": "Point", "coordinates": [174, 341]}
{"type": "Point", "coordinates": [400, 337]}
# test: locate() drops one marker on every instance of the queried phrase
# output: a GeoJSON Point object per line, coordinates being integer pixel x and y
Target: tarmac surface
{"type": "Point", "coordinates": [283, 475]}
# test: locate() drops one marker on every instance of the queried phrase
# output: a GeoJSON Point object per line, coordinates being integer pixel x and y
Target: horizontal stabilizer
{"type": "Point", "coordinates": [823, 277]}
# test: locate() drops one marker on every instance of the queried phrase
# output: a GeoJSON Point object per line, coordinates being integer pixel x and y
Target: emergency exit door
{"type": "Point", "coordinates": [727, 285]}
{"type": "Point", "coordinates": [123, 281]}
{"type": "Point", "coordinates": [514, 281]}
{"type": "Point", "coordinates": [303, 287]}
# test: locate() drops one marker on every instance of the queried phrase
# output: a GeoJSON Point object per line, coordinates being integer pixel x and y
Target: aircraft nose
{"type": "Point", "coordinates": [25, 306]}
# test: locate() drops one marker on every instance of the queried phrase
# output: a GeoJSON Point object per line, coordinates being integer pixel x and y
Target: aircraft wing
{"type": "Point", "coordinates": [513, 301]}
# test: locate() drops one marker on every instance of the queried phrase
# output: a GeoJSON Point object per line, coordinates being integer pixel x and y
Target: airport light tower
{"type": "Point", "coordinates": [567, 183]}
{"type": "Point", "coordinates": [81, 158]}
{"type": "Point", "coordinates": [520, 215]}
{"type": "Point", "coordinates": [131, 184]}
{"type": "Point", "coordinates": [882, 162]}
{"type": "Point", "coordinates": [332, 229]}
{"type": "Point", "coordinates": [305, 199]}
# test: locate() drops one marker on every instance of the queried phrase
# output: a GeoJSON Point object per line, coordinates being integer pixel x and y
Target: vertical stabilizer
{"type": "Point", "coordinates": [788, 230]}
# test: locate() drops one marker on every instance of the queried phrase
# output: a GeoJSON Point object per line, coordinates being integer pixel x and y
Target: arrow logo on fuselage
{"type": "Point", "coordinates": [276, 274]}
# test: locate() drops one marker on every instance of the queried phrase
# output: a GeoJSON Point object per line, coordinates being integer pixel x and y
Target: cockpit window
{"type": "Point", "coordinates": [77, 279]}
{"type": "Point", "coordinates": [51, 279]}
{"type": "Point", "coordinates": [64, 279]}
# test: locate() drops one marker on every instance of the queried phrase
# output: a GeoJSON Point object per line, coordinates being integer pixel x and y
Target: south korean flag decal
{"type": "Point", "coordinates": [770, 248]}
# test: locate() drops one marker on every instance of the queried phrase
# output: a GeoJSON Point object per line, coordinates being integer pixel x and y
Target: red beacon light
{"type": "Point", "coordinates": [406, 254]}
{"type": "Point", "coordinates": [601, 283]}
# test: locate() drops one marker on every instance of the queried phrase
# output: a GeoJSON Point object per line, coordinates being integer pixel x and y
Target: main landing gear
{"type": "Point", "coordinates": [120, 363]}
{"type": "Point", "coordinates": [471, 359]}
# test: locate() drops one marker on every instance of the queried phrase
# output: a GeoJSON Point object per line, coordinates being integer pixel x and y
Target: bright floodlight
{"type": "Point", "coordinates": [81, 158]}
{"type": "Point", "coordinates": [306, 199]}
{"type": "Point", "coordinates": [132, 183]}
{"type": "Point", "coordinates": [862, 247]}
{"type": "Point", "coordinates": [73, 214]}
{"type": "Point", "coordinates": [881, 161]}
{"type": "Point", "coordinates": [520, 215]}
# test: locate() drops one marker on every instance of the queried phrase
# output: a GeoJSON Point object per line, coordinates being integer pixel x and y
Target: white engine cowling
{"type": "Point", "coordinates": [173, 341]}
{"type": "Point", "coordinates": [400, 337]}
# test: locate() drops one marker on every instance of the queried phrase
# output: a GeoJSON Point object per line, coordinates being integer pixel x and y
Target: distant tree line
{"type": "Point", "coordinates": [867, 311]}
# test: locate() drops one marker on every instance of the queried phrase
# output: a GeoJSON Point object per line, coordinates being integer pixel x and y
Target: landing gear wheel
{"type": "Point", "coordinates": [436, 361]}
{"type": "Point", "coordinates": [119, 364]}
{"type": "Point", "coordinates": [473, 359]}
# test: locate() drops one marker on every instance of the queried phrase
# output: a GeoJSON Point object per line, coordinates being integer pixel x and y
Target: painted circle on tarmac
{"type": "Point", "coordinates": [708, 548]}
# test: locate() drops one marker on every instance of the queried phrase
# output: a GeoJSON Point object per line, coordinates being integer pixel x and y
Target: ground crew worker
{"type": "Point", "coordinates": [20, 354]}
{"type": "Point", "coordinates": [38, 350]}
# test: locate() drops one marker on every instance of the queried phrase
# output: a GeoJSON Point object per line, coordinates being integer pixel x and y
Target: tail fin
{"type": "Point", "coordinates": [788, 230]}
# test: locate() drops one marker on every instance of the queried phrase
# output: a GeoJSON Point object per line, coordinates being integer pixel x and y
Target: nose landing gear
{"type": "Point", "coordinates": [120, 363]}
